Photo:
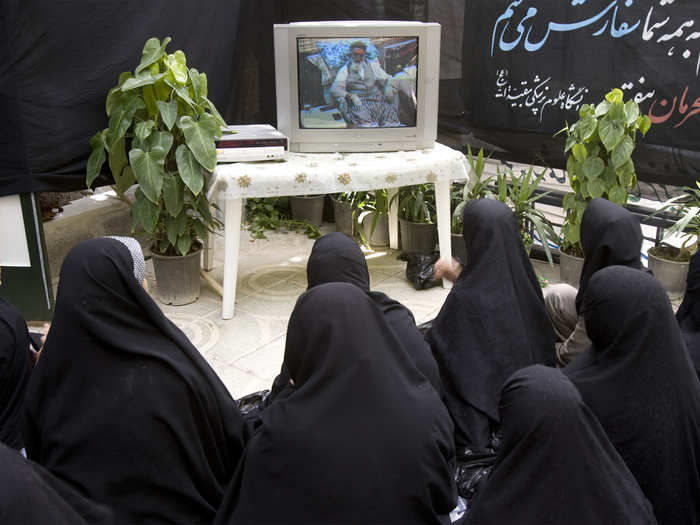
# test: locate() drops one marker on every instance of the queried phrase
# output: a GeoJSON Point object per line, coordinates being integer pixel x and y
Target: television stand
{"type": "Point", "coordinates": [320, 173]}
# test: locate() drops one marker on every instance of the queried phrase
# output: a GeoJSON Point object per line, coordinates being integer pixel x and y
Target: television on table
{"type": "Point", "coordinates": [357, 85]}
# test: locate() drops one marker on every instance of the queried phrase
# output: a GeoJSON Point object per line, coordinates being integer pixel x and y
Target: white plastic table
{"type": "Point", "coordinates": [319, 173]}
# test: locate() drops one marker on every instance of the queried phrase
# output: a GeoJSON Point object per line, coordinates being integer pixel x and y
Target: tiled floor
{"type": "Point", "coordinates": [247, 351]}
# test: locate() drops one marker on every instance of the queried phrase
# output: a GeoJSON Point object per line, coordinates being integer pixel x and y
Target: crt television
{"type": "Point", "coordinates": [357, 85]}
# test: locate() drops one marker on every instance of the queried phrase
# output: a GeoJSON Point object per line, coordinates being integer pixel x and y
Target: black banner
{"type": "Point", "coordinates": [529, 65]}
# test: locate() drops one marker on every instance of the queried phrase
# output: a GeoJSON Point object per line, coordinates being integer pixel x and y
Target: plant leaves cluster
{"type": "Point", "coordinates": [686, 209]}
{"type": "Point", "coordinates": [161, 134]}
{"type": "Point", "coordinates": [417, 203]}
{"type": "Point", "coordinates": [599, 162]}
{"type": "Point", "coordinates": [273, 213]}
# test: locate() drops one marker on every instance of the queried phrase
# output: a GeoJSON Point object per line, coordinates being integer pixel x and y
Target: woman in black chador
{"type": "Point", "coordinates": [14, 374]}
{"type": "Point", "coordinates": [121, 405]}
{"type": "Point", "coordinates": [336, 258]}
{"type": "Point", "coordinates": [362, 438]}
{"type": "Point", "coordinates": [688, 314]}
{"type": "Point", "coordinates": [638, 380]}
{"type": "Point", "coordinates": [556, 465]}
{"type": "Point", "coordinates": [29, 495]}
{"type": "Point", "coordinates": [493, 322]}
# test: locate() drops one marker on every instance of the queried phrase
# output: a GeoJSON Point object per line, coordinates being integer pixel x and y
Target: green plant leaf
{"type": "Point", "coordinates": [117, 159]}
{"type": "Point", "coordinates": [602, 109]}
{"type": "Point", "coordinates": [199, 136]}
{"type": "Point", "coordinates": [97, 157]}
{"type": "Point", "coordinates": [171, 229]}
{"type": "Point", "coordinates": [121, 119]}
{"type": "Point", "coordinates": [153, 51]}
{"type": "Point", "coordinates": [614, 96]}
{"type": "Point", "coordinates": [190, 170]}
{"type": "Point", "coordinates": [148, 170]}
{"type": "Point", "coordinates": [115, 93]}
{"type": "Point", "coordinates": [177, 64]}
{"type": "Point", "coordinates": [126, 180]}
{"type": "Point", "coordinates": [610, 132]}
{"type": "Point", "coordinates": [622, 152]}
{"type": "Point", "coordinates": [200, 229]}
{"type": "Point", "coordinates": [194, 79]}
{"type": "Point", "coordinates": [617, 113]}
{"type": "Point", "coordinates": [215, 113]}
{"type": "Point", "coordinates": [144, 212]}
{"type": "Point", "coordinates": [168, 112]}
{"type": "Point", "coordinates": [143, 79]}
{"type": "Point", "coordinates": [580, 152]}
{"type": "Point", "coordinates": [163, 139]}
{"type": "Point", "coordinates": [144, 129]}
{"type": "Point", "coordinates": [149, 97]}
{"type": "Point", "coordinates": [183, 244]}
{"type": "Point", "coordinates": [644, 123]}
{"type": "Point", "coordinates": [162, 90]}
{"type": "Point", "coordinates": [596, 187]}
{"type": "Point", "coordinates": [181, 92]}
{"type": "Point", "coordinates": [618, 195]}
{"type": "Point", "coordinates": [203, 87]}
{"type": "Point", "coordinates": [587, 126]}
{"type": "Point", "coordinates": [570, 141]}
{"type": "Point", "coordinates": [625, 173]}
{"type": "Point", "coordinates": [592, 167]}
{"type": "Point", "coordinates": [631, 112]}
{"type": "Point", "coordinates": [172, 194]}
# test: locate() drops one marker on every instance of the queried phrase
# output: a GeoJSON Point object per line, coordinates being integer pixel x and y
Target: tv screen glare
{"type": "Point", "coordinates": [357, 83]}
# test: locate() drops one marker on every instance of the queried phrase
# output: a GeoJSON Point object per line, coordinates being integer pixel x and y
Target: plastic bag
{"type": "Point", "coordinates": [252, 406]}
{"type": "Point", "coordinates": [423, 328]}
{"type": "Point", "coordinates": [419, 269]}
{"type": "Point", "coordinates": [471, 476]}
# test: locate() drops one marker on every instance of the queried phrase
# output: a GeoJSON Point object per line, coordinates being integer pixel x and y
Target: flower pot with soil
{"type": "Point", "coordinates": [307, 208]}
{"type": "Point", "coordinates": [670, 266]}
{"type": "Point", "coordinates": [161, 135]}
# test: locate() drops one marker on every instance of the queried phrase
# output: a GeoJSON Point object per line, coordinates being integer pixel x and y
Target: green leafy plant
{"type": "Point", "coordinates": [518, 193]}
{"type": "Point", "coordinates": [370, 203]}
{"type": "Point", "coordinates": [416, 203]}
{"type": "Point", "coordinates": [599, 163]}
{"type": "Point", "coordinates": [686, 207]}
{"type": "Point", "coordinates": [273, 213]}
{"type": "Point", "coordinates": [476, 187]}
{"type": "Point", "coordinates": [161, 135]}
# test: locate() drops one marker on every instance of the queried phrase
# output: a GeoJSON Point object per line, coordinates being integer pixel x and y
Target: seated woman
{"type": "Point", "coordinates": [363, 437]}
{"type": "Point", "coordinates": [121, 405]}
{"type": "Point", "coordinates": [493, 322]}
{"type": "Point", "coordinates": [336, 258]}
{"type": "Point", "coordinates": [32, 496]}
{"type": "Point", "coordinates": [609, 235]}
{"type": "Point", "coordinates": [556, 464]}
{"type": "Point", "coordinates": [638, 380]}
{"type": "Point", "coordinates": [14, 374]}
{"type": "Point", "coordinates": [688, 314]}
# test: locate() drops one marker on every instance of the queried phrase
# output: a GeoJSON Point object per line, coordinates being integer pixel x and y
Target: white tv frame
{"type": "Point", "coordinates": [422, 136]}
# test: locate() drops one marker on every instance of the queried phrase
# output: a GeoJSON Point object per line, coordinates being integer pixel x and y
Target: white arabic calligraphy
{"type": "Point", "coordinates": [536, 98]}
{"type": "Point", "coordinates": [650, 28]}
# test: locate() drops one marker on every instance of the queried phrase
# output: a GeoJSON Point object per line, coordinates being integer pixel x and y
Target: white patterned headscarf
{"type": "Point", "coordinates": [136, 255]}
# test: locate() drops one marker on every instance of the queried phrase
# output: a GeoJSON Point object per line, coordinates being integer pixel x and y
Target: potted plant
{"type": "Point", "coordinates": [372, 217]}
{"type": "Point", "coordinates": [161, 134]}
{"type": "Point", "coordinates": [476, 187]}
{"type": "Point", "coordinates": [599, 164]}
{"type": "Point", "coordinates": [670, 263]}
{"type": "Point", "coordinates": [344, 205]}
{"type": "Point", "coordinates": [518, 193]}
{"type": "Point", "coordinates": [417, 218]}
{"type": "Point", "coordinates": [307, 208]}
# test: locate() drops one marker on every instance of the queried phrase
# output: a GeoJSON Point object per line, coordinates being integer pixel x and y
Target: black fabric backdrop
{"type": "Point", "coordinates": [518, 98]}
{"type": "Point", "coordinates": [58, 59]}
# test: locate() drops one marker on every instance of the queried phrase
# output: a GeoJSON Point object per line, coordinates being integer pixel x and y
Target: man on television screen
{"type": "Point", "coordinates": [364, 93]}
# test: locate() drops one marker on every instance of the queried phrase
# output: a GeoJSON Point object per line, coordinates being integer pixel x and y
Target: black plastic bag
{"type": "Point", "coordinates": [470, 476]}
{"type": "Point", "coordinates": [425, 327]}
{"type": "Point", "coordinates": [252, 406]}
{"type": "Point", "coordinates": [419, 269]}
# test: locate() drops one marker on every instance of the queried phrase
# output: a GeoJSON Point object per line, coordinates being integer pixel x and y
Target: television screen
{"type": "Point", "coordinates": [357, 82]}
